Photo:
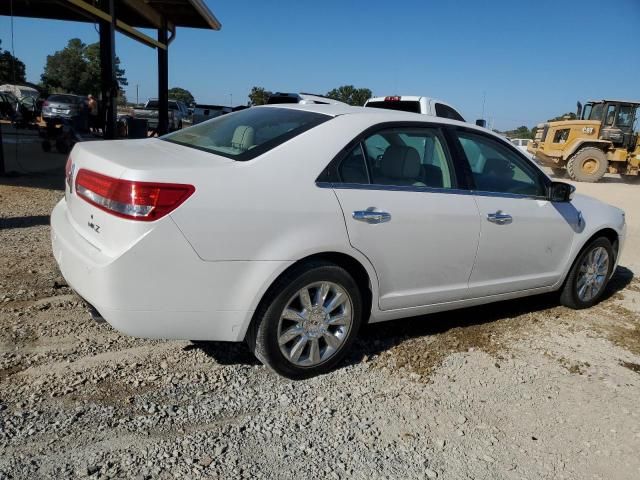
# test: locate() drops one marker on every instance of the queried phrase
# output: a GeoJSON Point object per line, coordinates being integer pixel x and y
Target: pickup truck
{"type": "Point", "coordinates": [406, 103]}
{"type": "Point", "coordinates": [178, 114]}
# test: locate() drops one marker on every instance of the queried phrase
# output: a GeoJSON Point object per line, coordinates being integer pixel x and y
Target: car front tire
{"type": "Point", "coordinates": [589, 275]}
{"type": "Point", "coordinates": [307, 321]}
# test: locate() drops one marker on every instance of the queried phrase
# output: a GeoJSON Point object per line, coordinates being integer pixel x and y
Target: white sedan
{"type": "Point", "coordinates": [289, 227]}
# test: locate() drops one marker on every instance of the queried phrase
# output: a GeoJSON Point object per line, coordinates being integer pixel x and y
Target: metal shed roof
{"type": "Point", "coordinates": [136, 13]}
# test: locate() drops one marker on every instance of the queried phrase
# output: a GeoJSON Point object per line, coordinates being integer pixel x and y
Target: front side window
{"type": "Point", "coordinates": [587, 111]}
{"type": "Point", "coordinates": [415, 157]}
{"type": "Point", "coordinates": [248, 133]}
{"type": "Point", "coordinates": [596, 112]}
{"type": "Point", "coordinates": [495, 168]}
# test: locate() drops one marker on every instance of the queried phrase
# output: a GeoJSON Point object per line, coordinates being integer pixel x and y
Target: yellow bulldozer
{"type": "Point", "coordinates": [604, 138]}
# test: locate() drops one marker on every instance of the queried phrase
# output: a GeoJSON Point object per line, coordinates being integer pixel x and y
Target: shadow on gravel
{"type": "Point", "coordinates": [225, 353]}
{"type": "Point", "coordinates": [49, 180]}
{"type": "Point", "coordinates": [380, 337]}
{"type": "Point", "coordinates": [24, 222]}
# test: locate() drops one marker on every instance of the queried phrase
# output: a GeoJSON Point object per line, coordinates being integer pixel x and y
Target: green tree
{"type": "Point", "coordinates": [182, 95]}
{"type": "Point", "coordinates": [258, 96]}
{"type": "Point", "coordinates": [520, 132]}
{"type": "Point", "coordinates": [351, 95]}
{"type": "Point", "coordinates": [12, 69]}
{"type": "Point", "coordinates": [76, 69]}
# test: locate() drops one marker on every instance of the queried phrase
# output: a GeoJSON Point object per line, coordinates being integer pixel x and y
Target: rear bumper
{"type": "Point", "coordinates": [159, 287]}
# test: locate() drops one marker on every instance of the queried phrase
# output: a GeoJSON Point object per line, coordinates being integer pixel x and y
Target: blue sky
{"type": "Point", "coordinates": [532, 59]}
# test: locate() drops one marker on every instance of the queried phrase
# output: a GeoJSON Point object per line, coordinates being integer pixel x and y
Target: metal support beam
{"type": "Point", "coordinates": [95, 14]}
{"type": "Point", "coordinates": [2, 167]}
{"type": "Point", "coordinates": [109, 83]}
{"type": "Point", "coordinates": [163, 81]}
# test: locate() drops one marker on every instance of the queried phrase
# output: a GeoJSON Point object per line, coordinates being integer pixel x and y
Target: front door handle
{"type": "Point", "coordinates": [499, 218]}
{"type": "Point", "coordinates": [371, 215]}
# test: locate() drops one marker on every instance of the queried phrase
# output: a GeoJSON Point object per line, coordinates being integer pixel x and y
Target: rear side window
{"type": "Point", "coordinates": [445, 111]}
{"type": "Point", "coordinates": [248, 133]}
{"type": "Point", "coordinates": [403, 106]}
{"type": "Point", "coordinates": [402, 157]}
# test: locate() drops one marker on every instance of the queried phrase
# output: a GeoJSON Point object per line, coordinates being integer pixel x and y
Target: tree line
{"type": "Point", "coordinates": [346, 93]}
{"type": "Point", "coordinates": [76, 69]}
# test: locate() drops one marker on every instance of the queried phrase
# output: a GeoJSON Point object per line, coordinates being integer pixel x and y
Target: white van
{"type": "Point", "coordinates": [408, 103]}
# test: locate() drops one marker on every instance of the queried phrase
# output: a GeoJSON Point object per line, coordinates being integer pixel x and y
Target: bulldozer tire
{"type": "Point", "coordinates": [588, 164]}
{"type": "Point", "coordinates": [558, 172]}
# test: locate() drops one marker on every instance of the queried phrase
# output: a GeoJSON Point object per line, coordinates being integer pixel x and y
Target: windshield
{"type": "Point", "coordinates": [248, 133]}
{"type": "Point", "coordinates": [27, 92]}
{"type": "Point", "coordinates": [593, 111]}
{"type": "Point", "coordinates": [403, 106]}
{"type": "Point", "coordinates": [173, 105]}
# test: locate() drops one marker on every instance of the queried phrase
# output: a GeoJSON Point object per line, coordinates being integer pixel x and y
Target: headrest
{"type": "Point", "coordinates": [498, 167]}
{"type": "Point", "coordinates": [400, 162]}
{"type": "Point", "coordinates": [242, 138]}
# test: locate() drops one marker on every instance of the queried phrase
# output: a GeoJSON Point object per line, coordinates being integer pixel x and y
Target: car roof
{"type": "Point", "coordinates": [377, 114]}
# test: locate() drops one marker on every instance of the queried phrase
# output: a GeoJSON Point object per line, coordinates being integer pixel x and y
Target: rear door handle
{"type": "Point", "coordinates": [371, 215]}
{"type": "Point", "coordinates": [500, 218]}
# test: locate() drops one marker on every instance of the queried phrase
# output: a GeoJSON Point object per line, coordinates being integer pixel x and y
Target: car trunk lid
{"type": "Point", "coordinates": [145, 162]}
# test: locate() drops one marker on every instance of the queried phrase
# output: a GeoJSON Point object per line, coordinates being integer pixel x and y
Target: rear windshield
{"type": "Point", "coordinates": [64, 99]}
{"type": "Point", "coordinates": [404, 106]}
{"type": "Point", "coordinates": [273, 99]}
{"type": "Point", "coordinates": [248, 133]}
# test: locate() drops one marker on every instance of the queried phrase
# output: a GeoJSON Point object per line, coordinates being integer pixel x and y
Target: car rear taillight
{"type": "Point", "coordinates": [392, 99]}
{"type": "Point", "coordinates": [144, 201]}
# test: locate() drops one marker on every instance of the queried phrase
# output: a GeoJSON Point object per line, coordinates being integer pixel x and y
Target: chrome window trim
{"type": "Point", "coordinates": [410, 188]}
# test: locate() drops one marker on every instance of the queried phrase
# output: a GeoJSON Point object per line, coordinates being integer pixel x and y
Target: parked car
{"type": "Point", "coordinates": [205, 112]}
{"type": "Point", "coordinates": [8, 105]}
{"type": "Point", "coordinates": [424, 105]}
{"type": "Point", "coordinates": [20, 91]}
{"type": "Point", "coordinates": [65, 106]}
{"type": "Point", "coordinates": [303, 98]}
{"type": "Point", "coordinates": [521, 144]}
{"type": "Point", "coordinates": [290, 226]}
{"type": "Point", "coordinates": [178, 114]}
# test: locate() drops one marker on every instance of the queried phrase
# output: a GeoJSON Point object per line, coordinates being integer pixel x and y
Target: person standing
{"type": "Point", "coordinates": [93, 113]}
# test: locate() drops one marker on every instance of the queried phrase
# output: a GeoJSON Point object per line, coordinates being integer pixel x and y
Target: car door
{"type": "Point", "coordinates": [398, 192]}
{"type": "Point", "coordinates": [525, 240]}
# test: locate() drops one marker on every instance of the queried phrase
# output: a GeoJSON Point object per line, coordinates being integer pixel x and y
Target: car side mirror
{"type": "Point", "coordinates": [560, 192]}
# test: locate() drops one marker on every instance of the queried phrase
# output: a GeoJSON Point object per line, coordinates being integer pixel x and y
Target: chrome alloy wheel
{"type": "Point", "coordinates": [592, 274]}
{"type": "Point", "coordinates": [315, 323]}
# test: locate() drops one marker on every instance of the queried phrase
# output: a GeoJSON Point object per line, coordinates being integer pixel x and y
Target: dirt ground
{"type": "Point", "coordinates": [515, 390]}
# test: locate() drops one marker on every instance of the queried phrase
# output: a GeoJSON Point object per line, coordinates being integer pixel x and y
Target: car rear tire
{"type": "Point", "coordinates": [307, 321]}
{"type": "Point", "coordinates": [589, 275]}
{"type": "Point", "coordinates": [588, 164]}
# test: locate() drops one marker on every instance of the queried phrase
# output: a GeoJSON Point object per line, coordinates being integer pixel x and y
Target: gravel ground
{"type": "Point", "coordinates": [515, 390]}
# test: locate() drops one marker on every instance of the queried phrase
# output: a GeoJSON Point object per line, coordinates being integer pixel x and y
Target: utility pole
{"type": "Point", "coordinates": [484, 97]}
{"type": "Point", "coordinates": [231, 100]}
{"type": "Point", "coordinates": [137, 102]}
